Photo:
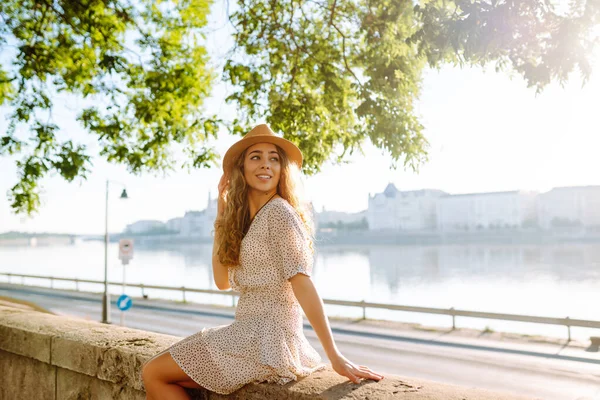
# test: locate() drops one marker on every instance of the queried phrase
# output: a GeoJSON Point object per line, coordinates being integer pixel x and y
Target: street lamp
{"type": "Point", "coordinates": [106, 296]}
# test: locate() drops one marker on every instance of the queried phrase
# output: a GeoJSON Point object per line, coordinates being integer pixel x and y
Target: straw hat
{"type": "Point", "coordinates": [261, 134]}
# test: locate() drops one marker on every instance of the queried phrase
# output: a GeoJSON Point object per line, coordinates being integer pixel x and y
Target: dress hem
{"type": "Point", "coordinates": [204, 386]}
{"type": "Point", "coordinates": [273, 379]}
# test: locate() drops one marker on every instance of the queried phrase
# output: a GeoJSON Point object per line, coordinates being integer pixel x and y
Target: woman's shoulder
{"type": "Point", "coordinates": [283, 218]}
{"type": "Point", "coordinates": [279, 204]}
{"type": "Point", "coordinates": [280, 207]}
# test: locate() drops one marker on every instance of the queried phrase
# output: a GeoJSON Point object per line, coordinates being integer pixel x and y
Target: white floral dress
{"type": "Point", "coordinates": [265, 343]}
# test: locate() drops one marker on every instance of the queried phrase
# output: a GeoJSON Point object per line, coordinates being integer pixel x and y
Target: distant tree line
{"type": "Point", "coordinates": [361, 225]}
{"type": "Point", "coordinates": [163, 230]}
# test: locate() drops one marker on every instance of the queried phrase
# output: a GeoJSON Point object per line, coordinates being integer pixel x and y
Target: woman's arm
{"type": "Point", "coordinates": [312, 305]}
{"type": "Point", "coordinates": [220, 272]}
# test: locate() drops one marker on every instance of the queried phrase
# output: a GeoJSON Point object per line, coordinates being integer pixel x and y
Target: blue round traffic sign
{"type": "Point", "coordinates": [124, 302]}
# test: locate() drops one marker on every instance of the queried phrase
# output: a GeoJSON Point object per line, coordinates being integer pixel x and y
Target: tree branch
{"type": "Point", "coordinates": [344, 54]}
{"type": "Point", "coordinates": [295, 67]}
{"type": "Point", "coordinates": [332, 12]}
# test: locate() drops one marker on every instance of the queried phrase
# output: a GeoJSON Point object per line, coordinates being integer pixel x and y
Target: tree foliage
{"type": "Point", "coordinates": [338, 72]}
{"type": "Point", "coordinates": [141, 65]}
{"type": "Point", "coordinates": [329, 74]}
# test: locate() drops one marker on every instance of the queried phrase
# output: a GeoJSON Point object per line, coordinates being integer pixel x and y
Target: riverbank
{"type": "Point", "coordinates": [334, 238]}
{"type": "Point", "coordinates": [436, 238]}
{"type": "Point", "coordinates": [367, 238]}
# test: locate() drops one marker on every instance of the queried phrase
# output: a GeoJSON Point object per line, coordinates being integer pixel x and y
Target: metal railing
{"type": "Point", "coordinates": [568, 322]}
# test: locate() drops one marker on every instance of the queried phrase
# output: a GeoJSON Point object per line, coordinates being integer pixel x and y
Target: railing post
{"type": "Point", "coordinates": [143, 294]}
{"type": "Point", "coordinates": [77, 285]}
{"type": "Point", "coordinates": [364, 310]}
{"type": "Point", "coordinates": [23, 280]}
{"type": "Point", "coordinates": [453, 318]}
{"type": "Point", "coordinates": [183, 289]}
{"type": "Point", "coordinates": [568, 330]}
{"type": "Point", "coordinates": [51, 283]}
{"type": "Point", "coordinates": [232, 300]}
{"type": "Point", "coordinates": [9, 275]}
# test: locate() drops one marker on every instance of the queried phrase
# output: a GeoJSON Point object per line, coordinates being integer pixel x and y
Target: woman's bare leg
{"type": "Point", "coordinates": [164, 379]}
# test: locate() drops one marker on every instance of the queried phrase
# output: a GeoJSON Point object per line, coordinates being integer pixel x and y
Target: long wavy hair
{"type": "Point", "coordinates": [231, 228]}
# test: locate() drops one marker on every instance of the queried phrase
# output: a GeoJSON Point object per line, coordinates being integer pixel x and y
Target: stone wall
{"type": "Point", "coordinates": [49, 357]}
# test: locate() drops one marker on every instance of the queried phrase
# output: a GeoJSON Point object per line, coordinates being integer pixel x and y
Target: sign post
{"type": "Point", "coordinates": [125, 255]}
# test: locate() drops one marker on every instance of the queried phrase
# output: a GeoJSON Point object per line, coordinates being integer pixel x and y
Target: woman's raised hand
{"type": "Point", "coordinates": [223, 184]}
{"type": "Point", "coordinates": [355, 373]}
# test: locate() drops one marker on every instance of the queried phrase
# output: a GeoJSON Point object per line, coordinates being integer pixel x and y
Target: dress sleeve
{"type": "Point", "coordinates": [290, 242]}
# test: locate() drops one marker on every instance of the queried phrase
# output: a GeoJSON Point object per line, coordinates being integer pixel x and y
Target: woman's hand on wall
{"type": "Point", "coordinates": [312, 305]}
{"type": "Point", "coordinates": [347, 368]}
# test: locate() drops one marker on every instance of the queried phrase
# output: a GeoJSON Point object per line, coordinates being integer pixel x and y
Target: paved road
{"type": "Point", "coordinates": [539, 370]}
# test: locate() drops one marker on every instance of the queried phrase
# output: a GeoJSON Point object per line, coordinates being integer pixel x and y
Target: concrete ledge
{"type": "Point", "coordinates": [25, 378]}
{"type": "Point", "coordinates": [45, 356]}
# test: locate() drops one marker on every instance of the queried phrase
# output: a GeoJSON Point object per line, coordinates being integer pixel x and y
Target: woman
{"type": "Point", "coordinates": [263, 250]}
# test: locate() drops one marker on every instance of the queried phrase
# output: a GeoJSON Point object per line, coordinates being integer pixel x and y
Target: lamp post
{"type": "Point", "coordinates": [106, 295]}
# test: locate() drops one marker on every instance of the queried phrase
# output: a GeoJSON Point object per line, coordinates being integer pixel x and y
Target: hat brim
{"type": "Point", "coordinates": [292, 152]}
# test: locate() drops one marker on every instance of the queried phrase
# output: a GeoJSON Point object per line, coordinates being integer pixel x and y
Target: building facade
{"type": "Point", "coordinates": [487, 211]}
{"type": "Point", "coordinates": [175, 224]}
{"type": "Point", "coordinates": [192, 224]}
{"type": "Point", "coordinates": [564, 207]}
{"type": "Point", "coordinates": [200, 223]}
{"type": "Point", "coordinates": [403, 211]}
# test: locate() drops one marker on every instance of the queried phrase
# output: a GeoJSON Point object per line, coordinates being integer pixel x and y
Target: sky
{"type": "Point", "coordinates": [487, 132]}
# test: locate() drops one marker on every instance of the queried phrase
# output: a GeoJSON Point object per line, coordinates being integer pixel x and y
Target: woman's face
{"type": "Point", "coordinates": [262, 167]}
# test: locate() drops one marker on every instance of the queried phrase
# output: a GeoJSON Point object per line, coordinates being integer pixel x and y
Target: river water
{"type": "Point", "coordinates": [556, 280]}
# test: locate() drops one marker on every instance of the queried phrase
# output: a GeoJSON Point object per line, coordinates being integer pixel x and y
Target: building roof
{"type": "Point", "coordinates": [194, 213]}
{"type": "Point", "coordinates": [147, 221]}
{"type": "Point", "coordinates": [588, 187]}
{"type": "Point", "coordinates": [483, 194]}
{"type": "Point", "coordinates": [422, 192]}
{"type": "Point", "coordinates": [390, 190]}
